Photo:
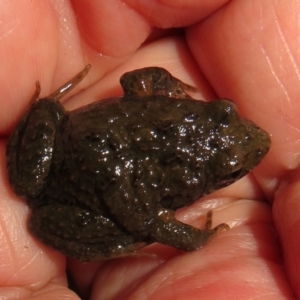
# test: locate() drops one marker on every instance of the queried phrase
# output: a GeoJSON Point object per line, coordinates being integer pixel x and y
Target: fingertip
{"type": "Point", "coordinates": [286, 212]}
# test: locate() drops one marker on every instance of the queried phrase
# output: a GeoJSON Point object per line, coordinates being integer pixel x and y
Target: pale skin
{"type": "Point", "coordinates": [244, 50]}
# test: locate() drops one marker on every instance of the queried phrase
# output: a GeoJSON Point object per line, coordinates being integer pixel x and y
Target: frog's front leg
{"type": "Point", "coordinates": [165, 229]}
{"type": "Point", "coordinates": [81, 233]}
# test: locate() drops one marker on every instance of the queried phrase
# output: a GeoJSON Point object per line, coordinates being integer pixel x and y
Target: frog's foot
{"type": "Point", "coordinates": [69, 85]}
{"type": "Point", "coordinates": [154, 81]}
{"type": "Point", "coordinates": [36, 93]}
{"type": "Point", "coordinates": [167, 230]}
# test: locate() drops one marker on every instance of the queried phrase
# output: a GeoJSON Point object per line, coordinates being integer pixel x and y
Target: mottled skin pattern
{"type": "Point", "coordinates": [106, 179]}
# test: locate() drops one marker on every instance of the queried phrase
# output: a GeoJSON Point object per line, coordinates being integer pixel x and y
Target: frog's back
{"type": "Point", "coordinates": [149, 142]}
{"type": "Point", "coordinates": [157, 148]}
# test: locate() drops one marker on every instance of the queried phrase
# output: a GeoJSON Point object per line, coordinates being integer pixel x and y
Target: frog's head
{"type": "Point", "coordinates": [239, 144]}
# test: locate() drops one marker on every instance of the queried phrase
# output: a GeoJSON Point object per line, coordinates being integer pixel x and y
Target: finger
{"type": "Point", "coordinates": [248, 52]}
{"type": "Point", "coordinates": [117, 30]}
{"type": "Point", "coordinates": [35, 42]}
{"type": "Point", "coordinates": [287, 220]}
{"type": "Point", "coordinates": [239, 262]}
{"type": "Point", "coordinates": [26, 266]}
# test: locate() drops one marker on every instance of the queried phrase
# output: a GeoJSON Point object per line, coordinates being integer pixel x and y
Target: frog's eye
{"type": "Point", "coordinates": [231, 177]}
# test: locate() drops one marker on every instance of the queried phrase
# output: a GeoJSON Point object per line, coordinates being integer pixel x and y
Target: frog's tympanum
{"type": "Point", "coordinates": [105, 179]}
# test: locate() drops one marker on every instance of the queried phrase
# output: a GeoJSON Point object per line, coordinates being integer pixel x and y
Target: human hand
{"type": "Point", "coordinates": [245, 51]}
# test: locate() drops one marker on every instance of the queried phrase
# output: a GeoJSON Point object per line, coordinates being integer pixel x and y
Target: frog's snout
{"type": "Point", "coordinates": [258, 143]}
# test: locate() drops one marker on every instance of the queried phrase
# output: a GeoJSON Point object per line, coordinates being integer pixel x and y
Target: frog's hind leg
{"type": "Point", "coordinates": [154, 81]}
{"type": "Point", "coordinates": [167, 230]}
{"type": "Point", "coordinates": [81, 234]}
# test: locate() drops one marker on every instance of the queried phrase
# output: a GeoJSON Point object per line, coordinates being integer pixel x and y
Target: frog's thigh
{"type": "Point", "coordinates": [80, 233]}
{"type": "Point", "coordinates": [167, 230]}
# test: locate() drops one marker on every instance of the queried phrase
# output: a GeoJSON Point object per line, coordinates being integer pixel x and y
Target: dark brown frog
{"type": "Point", "coordinates": [106, 179]}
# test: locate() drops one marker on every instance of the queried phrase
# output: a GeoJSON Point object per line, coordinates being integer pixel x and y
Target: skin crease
{"type": "Point", "coordinates": [243, 50]}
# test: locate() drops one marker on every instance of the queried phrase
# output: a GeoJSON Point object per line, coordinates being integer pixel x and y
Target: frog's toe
{"type": "Point", "coordinates": [221, 227]}
{"type": "Point", "coordinates": [217, 229]}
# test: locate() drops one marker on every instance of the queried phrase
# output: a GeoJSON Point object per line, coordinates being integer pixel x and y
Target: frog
{"type": "Point", "coordinates": [106, 179]}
